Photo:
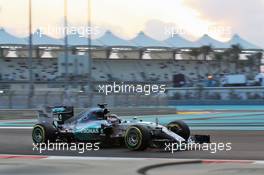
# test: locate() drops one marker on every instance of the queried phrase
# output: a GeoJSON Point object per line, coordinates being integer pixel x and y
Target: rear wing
{"type": "Point", "coordinates": [63, 110]}
{"type": "Point", "coordinates": [63, 113]}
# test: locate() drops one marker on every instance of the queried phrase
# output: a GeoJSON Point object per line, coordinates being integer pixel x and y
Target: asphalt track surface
{"type": "Point", "coordinates": [242, 128]}
{"type": "Point", "coordinates": [64, 166]}
{"type": "Point", "coordinates": [246, 145]}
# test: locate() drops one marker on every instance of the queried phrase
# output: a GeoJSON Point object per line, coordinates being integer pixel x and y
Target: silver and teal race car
{"type": "Point", "coordinates": [59, 124]}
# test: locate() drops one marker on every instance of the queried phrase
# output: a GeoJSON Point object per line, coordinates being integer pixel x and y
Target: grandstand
{"type": "Point", "coordinates": [141, 59]}
{"type": "Point", "coordinates": [176, 61]}
{"type": "Point", "coordinates": [124, 70]}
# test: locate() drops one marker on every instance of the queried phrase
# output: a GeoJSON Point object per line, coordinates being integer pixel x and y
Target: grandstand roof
{"type": "Point", "coordinates": [207, 40]}
{"type": "Point", "coordinates": [142, 40]}
{"type": "Point", "coordinates": [179, 42]}
{"type": "Point", "coordinates": [111, 40]}
{"type": "Point", "coordinates": [39, 39]}
{"type": "Point", "coordinates": [8, 39]}
{"type": "Point", "coordinates": [79, 40]}
{"type": "Point", "coordinates": [237, 40]}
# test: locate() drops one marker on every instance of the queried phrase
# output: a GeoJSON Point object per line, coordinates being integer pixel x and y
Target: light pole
{"type": "Point", "coordinates": [30, 60]}
{"type": "Point", "coordinates": [66, 43]}
{"type": "Point", "coordinates": [89, 41]}
{"type": "Point", "coordinates": [89, 51]}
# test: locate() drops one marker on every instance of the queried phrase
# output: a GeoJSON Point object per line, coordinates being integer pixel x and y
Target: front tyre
{"type": "Point", "coordinates": [180, 128]}
{"type": "Point", "coordinates": [137, 138]}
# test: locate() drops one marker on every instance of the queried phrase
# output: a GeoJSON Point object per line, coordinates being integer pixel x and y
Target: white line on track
{"type": "Point", "coordinates": [14, 127]}
{"type": "Point", "coordinates": [18, 120]}
{"type": "Point", "coordinates": [79, 158]}
{"type": "Point", "coordinates": [97, 158]}
{"type": "Point", "coordinates": [259, 162]}
{"type": "Point", "coordinates": [124, 158]}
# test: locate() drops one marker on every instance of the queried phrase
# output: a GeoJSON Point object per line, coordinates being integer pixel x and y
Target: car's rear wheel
{"type": "Point", "coordinates": [38, 134]}
{"type": "Point", "coordinates": [137, 138]}
{"type": "Point", "coordinates": [41, 134]}
{"type": "Point", "coordinates": [181, 128]}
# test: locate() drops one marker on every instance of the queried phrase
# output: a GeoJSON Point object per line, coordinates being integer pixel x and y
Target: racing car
{"type": "Point", "coordinates": [59, 124]}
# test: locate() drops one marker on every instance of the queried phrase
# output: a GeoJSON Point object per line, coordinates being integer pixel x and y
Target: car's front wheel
{"type": "Point", "coordinates": [137, 138]}
{"type": "Point", "coordinates": [181, 128]}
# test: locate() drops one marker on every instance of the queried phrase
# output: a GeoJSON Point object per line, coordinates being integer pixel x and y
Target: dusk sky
{"type": "Point", "coordinates": [190, 18]}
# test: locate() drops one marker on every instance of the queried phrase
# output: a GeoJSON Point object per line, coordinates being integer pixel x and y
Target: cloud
{"type": "Point", "coordinates": [244, 17]}
{"type": "Point", "coordinates": [157, 29]}
{"type": "Point", "coordinates": [161, 30]}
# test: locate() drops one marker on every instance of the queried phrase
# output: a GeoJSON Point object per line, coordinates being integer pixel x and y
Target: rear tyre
{"type": "Point", "coordinates": [41, 134]}
{"type": "Point", "coordinates": [181, 128]}
{"type": "Point", "coordinates": [137, 138]}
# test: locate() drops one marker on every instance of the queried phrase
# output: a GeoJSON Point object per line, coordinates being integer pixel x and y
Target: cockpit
{"type": "Point", "coordinates": [95, 114]}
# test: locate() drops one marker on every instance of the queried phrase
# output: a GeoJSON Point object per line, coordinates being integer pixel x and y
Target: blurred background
{"type": "Point", "coordinates": [63, 58]}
